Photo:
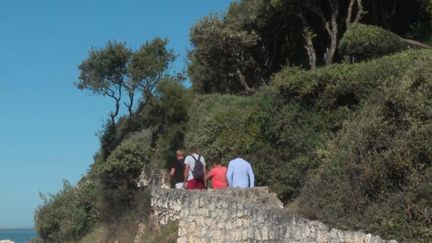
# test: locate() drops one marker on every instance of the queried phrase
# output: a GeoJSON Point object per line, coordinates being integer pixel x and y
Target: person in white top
{"type": "Point", "coordinates": [197, 181]}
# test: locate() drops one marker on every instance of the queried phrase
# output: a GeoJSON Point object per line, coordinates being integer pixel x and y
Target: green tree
{"type": "Point", "coordinates": [116, 68]}
{"type": "Point", "coordinates": [241, 49]}
{"type": "Point", "coordinates": [221, 54]}
{"type": "Point", "coordinates": [104, 72]}
{"type": "Point", "coordinates": [148, 66]}
{"type": "Point", "coordinates": [171, 112]}
{"type": "Point", "coordinates": [117, 176]}
{"type": "Point", "coordinates": [69, 214]}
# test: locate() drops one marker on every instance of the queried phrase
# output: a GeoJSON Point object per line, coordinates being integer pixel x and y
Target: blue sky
{"type": "Point", "coordinates": [47, 127]}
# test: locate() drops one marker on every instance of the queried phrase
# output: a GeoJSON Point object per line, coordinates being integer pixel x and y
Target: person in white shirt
{"type": "Point", "coordinates": [194, 181]}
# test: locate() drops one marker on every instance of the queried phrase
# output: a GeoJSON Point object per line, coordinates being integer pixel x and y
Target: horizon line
{"type": "Point", "coordinates": [15, 228]}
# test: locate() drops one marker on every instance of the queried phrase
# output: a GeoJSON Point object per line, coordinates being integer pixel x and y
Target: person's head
{"type": "Point", "coordinates": [194, 150]}
{"type": "Point", "coordinates": [180, 154]}
{"type": "Point", "coordinates": [217, 160]}
{"type": "Point", "coordinates": [236, 152]}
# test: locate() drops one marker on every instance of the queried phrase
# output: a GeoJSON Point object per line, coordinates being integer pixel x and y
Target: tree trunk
{"type": "Point", "coordinates": [131, 95]}
{"type": "Point", "coordinates": [333, 41]}
{"type": "Point", "coordinates": [308, 36]}
{"type": "Point", "coordinates": [243, 82]}
{"type": "Point", "coordinates": [116, 95]}
{"type": "Point", "coordinates": [350, 11]}
{"type": "Point", "coordinates": [331, 27]}
{"type": "Point", "coordinates": [360, 11]}
{"type": "Point", "coordinates": [333, 32]}
{"type": "Point", "coordinates": [116, 111]}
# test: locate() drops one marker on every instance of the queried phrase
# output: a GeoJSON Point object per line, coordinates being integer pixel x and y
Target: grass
{"type": "Point", "coordinates": [126, 233]}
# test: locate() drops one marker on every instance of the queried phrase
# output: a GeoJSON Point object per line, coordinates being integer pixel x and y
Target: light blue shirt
{"type": "Point", "coordinates": [240, 174]}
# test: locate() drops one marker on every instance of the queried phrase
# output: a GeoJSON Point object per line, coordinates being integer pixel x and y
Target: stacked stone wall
{"type": "Point", "coordinates": [236, 215]}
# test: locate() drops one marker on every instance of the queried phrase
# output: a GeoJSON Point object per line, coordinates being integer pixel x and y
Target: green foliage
{"type": "Point", "coordinates": [368, 42]}
{"type": "Point", "coordinates": [220, 59]}
{"type": "Point", "coordinates": [117, 176]}
{"type": "Point", "coordinates": [167, 233]}
{"type": "Point", "coordinates": [148, 64]}
{"type": "Point", "coordinates": [104, 68]}
{"type": "Point", "coordinates": [170, 116]}
{"type": "Point", "coordinates": [224, 125]}
{"type": "Point", "coordinates": [352, 139]}
{"type": "Point", "coordinates": [126, 231]}
{"type": "Point", "coordinates": [345, 85]}
{"type": "Point", "coordinates": [238, 51]}
{"type": "Point", "coordinates": [104, 71]}
{"type": "Point", "coordinates": [376, 172]}
{"type": "Point", "coordinates": [115, 69]}
{"type": "Point", "coordinates": [165, 115]}
{"type": "Point", "coordinates": [67, 215]}
{"type": "Point", "coordinates": [310, 107]}
{"type": "Point", "coordinates": [163, 112]}
{"type": "Point", "coordinates": [276, 138]}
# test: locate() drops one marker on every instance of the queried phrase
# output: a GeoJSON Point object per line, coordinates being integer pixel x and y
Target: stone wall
{"type": "Point", "coordinates": [235, 215]}
{"type": "Point", "coordinates": [167, 204]}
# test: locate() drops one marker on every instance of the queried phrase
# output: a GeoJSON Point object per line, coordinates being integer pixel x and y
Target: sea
{"type": "Point", "coordinates": [17, 235]}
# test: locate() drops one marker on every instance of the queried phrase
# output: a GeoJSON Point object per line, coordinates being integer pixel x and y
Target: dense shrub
{"type": "Point", "coordinates": [67, 215]}
{"type": "Point", "coordinates": [343, 84]}
{"type": "Point", "coordinates": [170, 116]}
{"type": "Point", "coordinates": [367, 42]}
{"type": "Point", "coordinates": [224, 125]}
{"type": "Point", "coordinates": [277, 138]}
{"type": "Point", "coordinates": [117, 176]}
{"type": "Point", "coordinates": [228, 125]}
{"type": "Point", "coordinates": [376, 173]}
{"type": "Point", "coordinates": [310, 107]}
{"type": "Point", "coordinates": [354, 140]}
{"type": "Point", "coordinates": [282, 128]}
{"type": "Point", "coordinates": [127, 232]}
{"type": "Point", "coordinates": [164, 114]}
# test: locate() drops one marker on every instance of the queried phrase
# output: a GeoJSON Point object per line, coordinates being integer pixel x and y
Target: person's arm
{"type": "Point", "coordinates": [186, 174]}
{"type": "Point", "coordinates": [229, 175]}
{"type": "Point", "coordinates": [205, 175]}
{"type": "Point", "coordinates": [209, 175]}
{"type": "Point", "coordinates": [251, 177]}
{"type": "Point", "coordinates": [172, 172]}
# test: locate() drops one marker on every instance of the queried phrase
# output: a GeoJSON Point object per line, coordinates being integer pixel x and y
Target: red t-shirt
{"type": "Point", "coordinates": [218, 177]}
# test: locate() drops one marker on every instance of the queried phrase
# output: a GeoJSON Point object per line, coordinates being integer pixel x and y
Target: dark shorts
{"type": "Point", "coordinates": [195, 184]}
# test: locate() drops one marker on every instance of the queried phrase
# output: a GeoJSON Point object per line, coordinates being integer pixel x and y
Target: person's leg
{"type": "Point", "coordinates": [191, 184]}
{"type": "Point", "coordinates": [199, 184]}
{"type": "Point", "coordinates": [179, 185]}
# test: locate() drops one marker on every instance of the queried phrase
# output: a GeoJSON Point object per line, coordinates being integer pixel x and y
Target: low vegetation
{"type": "Point", "coordinates": [364, 42]}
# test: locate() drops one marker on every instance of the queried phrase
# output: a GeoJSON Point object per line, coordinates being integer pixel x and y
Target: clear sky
{"type": "Point", "coordinates": [47, 126]}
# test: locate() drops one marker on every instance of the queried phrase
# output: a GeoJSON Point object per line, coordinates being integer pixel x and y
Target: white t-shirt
{"type": "Point", "coordinates": [191, 162]}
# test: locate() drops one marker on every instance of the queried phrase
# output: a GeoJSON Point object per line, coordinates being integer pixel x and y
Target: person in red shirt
{"type": "Point", "coordinates": [218, 176]}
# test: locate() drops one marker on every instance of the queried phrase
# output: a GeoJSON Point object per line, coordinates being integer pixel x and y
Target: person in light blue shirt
{"type": "Point", "coordinates": [240, 174]}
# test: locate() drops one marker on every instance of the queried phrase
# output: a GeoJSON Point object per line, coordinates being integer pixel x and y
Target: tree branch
{"type": "Point", "coordinates": [360, 11]}
{"type": "Point", "coordinates": [308, 37]}
{"type": "Point", "coordinates": [243, 81]}
{"type": "Point", "coordinates": [415, 43]}
{"type": "Point", "coordinates": [320, 14]}
{"type": "Point", "coordinates": [349, 12]}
